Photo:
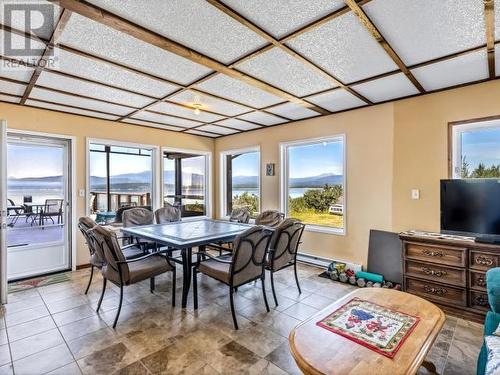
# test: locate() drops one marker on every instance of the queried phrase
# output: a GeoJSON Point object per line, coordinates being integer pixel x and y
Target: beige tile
{"type": "Point", "coordinates": [44, 361]}
{"type": "Point", "coordinates": [25, 315]}
{"type": "Point", "coordinates": [66, 304]}
{"type": "Point", "coordinates": [23, 304]}
{"type": "Point", "coordinates": [3, 337]}
{"type": "Point", "coordinates": [232, 358]}
{"type": "Point", "coordinates": [36, 343]}
{"type": "Point", "coordinates": [7, 369]}
{"type": "Point", "coordinates": [94, 341]}
{"type": "Point", "coordinates": [4, 354]}
{"type": "Point", "coordinates": [258, 339]}
{"type": "Point", "coordinates": [69, 369]}
{"type": "Point", "coordinates": [72, 315]}
{"type": "Point", "coordinates": [282, 358]}
{"type": "Point", "coordinates": [317, 301]}
{"type": "Point", "coordinates": [173, 360]}
{"type": "Point", "coordinates": [108, 360]}
{"type": "Point", "coordinates": [136, 368]}
{"type": "Point", "coordinates": [30, 328]}
{"type": "Point", "coordinates": [82, 327]}
{"type": "Point", "coordinates": [264, 367]}
{"type": "Point", "coordinates": [300, 311]}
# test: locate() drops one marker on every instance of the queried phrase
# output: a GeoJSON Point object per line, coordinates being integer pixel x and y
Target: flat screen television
{"type": "Point", "coordinates": [470, 207]}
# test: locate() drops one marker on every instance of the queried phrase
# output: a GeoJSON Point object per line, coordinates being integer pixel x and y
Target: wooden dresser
{"type": "Point", "coordinates": [449, 272]}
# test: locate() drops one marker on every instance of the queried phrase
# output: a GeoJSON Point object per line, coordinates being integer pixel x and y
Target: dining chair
{"type": "Point", "coordinates": [123, 272]}
{"type": "Point", "coordinates": [283, 250]}
{"type": "Point", "coordinates": [86, 224]}
{"type": "Point", "coordinates": [240, 215]}
{"type": "Point", "coordinates": [269, 218]}
{"type": "Point", "coordinates": [139, 216]}
{"type": "Point", "coordinates": [167, 214]}
{"type": "Point", "coordinates": [244, 266]}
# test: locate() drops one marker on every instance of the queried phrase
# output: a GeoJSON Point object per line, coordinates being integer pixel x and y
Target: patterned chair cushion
{"type": "Point", "coordinates": [493, 348]}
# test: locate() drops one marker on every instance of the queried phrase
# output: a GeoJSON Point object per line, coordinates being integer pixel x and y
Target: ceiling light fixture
{"type": "Point", "coordinates": [197, 107]}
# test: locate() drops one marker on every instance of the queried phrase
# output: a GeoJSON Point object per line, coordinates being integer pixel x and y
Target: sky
{"type": "Point", "coordinates": [314, 160]}
{"type": "Point", "coordinates": [34, 161]}
{"type": "Point", "coordinates": [481, 146]}
{"type": "Point", "coordinates": [246, 164]}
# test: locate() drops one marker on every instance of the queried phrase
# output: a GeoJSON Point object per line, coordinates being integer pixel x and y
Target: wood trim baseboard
{"type": "Point", "coordinates": [82, 266]}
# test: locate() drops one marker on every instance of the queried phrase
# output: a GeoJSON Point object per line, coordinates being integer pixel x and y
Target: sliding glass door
{"type": "Point", "coordinates": [186, 181]}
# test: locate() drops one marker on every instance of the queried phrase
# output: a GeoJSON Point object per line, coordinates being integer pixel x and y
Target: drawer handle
{"type": "Point", "coordinates": [431, 253]}
{"type": "Point", "coordinates": [431, 272]}
{"type": "Point", "coordinates": [437, 291]}
{"type": "Point", "coordinates": [484, 261]}
{"type": "Point", "coordinates": [481, 300]}
{"type": "Point", "coordinates": [481, 281]}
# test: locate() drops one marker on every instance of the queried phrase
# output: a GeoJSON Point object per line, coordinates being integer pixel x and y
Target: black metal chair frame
{"type": "Point", "coordinates": [232, 272]}
{"type": "Point", "coordinates": [121, 285]}
{"type": "Point", "coordinates": [43, 213]}
{"type": "Point", "coordinates": [17, 210]}
{"type": "Point", "coordinates": [272, 258]}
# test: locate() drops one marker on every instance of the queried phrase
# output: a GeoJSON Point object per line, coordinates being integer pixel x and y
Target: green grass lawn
{"type": "Point", "coordinates": [318, 218]}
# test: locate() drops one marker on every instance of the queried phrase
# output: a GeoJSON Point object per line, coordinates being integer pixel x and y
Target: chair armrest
{"type": "Point", "coordinates": [218, 247]}
{"type": "Point", "coordinates": [215, 258]}
{"type": "Point", "coordinates": [135, 259]}
{"type": "Point", "coordinates": [128, 246]}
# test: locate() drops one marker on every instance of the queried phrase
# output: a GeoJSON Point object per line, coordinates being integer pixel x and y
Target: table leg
{"type": "Point", "coordinates": [429, 366]}
{"type": "Point", "coordinates": [187, 255]}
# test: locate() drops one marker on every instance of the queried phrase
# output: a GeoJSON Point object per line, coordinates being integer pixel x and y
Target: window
{"type": "Point", "coordinates": [313, 182]}
{"type": "Point", "coordinates": [185, 182]}
{"type": "Point", "coordinates": [476, 150]}
{"type": "Point", "coordinates": [119, 176]}
{"type": "Point", "coordinates": [240, 180]}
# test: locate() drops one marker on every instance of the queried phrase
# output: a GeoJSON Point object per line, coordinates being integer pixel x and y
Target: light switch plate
{"type": "Point", "coordinates": [415, 194]}
{"type": "Point", "coordinates": [81, 193]}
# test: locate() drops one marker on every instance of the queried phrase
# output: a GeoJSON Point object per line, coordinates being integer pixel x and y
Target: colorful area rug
{"type": "Point", "coordinates": [19, 286]}
{"type": "Point", "coordinates": [376, 327]}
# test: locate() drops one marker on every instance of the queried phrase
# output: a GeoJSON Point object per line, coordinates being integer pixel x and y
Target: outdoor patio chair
{"type": "Point", "coordinates": [52, 208]}
{"type": "Point", "coordinates": [269, 218]}
{"type": "Point", "coordinates": [167, 214]}
{"type": "Point", "coordinates": [244, 266]}
{"type": "Point", "coordinates": [18, 211]}
{"type": "Point", "coordinates": [283, 250]}
{"type": "Point", "coordinates": [86, 224]}
{"type": "Point", "coordinates": [123, 272]}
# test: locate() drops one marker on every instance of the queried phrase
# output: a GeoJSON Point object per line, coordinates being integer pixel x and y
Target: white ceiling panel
{"type": "Point", "coordinates": [62, 108]}
{"type": "Point", "coordinates": [177, 110]}
{"type": "Point", "coordinates": [337, 100]}
{"type": "Point", "coordinates": [282, 70]}
{"type": "Point", "coordinates": [150, 124]}
{"type": "Point", "coordinates": [13, 15]}
{"type": "Point", "coordinates": [209, 103]}
{"type": "Point", "coordinates": [19, 73]}
{"type": "Point", "coordinates": [262, 118]}
{"type": "Point", "coordinates": [293, 111]}
{"type": "Point", "coordinates": [345, 49]}
{"type": "Point", "coordinates": [387, 88]}
{"type": "Point", "coordinates": [97, 39]}
{"type": "Point", "coordinates": [51, 96]}
{"type": "Point", "coordinates": [217, 129]}
{"type": "Point", "coordinates": [426, 29]}
{"type": "Point", "coordinates": [18, 44]}
{"type": "Point", "coordinates": [281, 17]}
{"type": "Point", "coordinates": [197, 132]}
{"type": "Point", "coordinates": [12, 88]}
{"type": "Point", "coordinates": [239, 91]}
{"type": "Point", "coordinates": [238, 124]}
{"type": "Point", "coordinates": [463, 69]}
{"type": "Point", "coordinates": [194, 23]}
{"type": "Point", "coordinates": [169, 120]}
{"type": "Point", "coordinates": [93, 90]}
{"type": "Point", "coordinates": [107, 73]}
{"type": "Point", "coordinates": [10, 99]}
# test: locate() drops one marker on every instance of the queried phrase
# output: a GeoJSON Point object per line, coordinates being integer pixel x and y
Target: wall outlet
{"type": "Point", "coordinates": [415, 194]}
{"type": "Point", "coordinates": [81, 193]}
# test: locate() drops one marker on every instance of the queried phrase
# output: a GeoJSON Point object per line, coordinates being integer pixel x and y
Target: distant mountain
{"type": "Point", "coordinates": [303, 182]}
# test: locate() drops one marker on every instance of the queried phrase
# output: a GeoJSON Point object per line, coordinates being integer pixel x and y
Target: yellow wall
{"type": "Point", "coordinates": [391, 149]}
{"type": "Point", "coordinates": [39, 120]}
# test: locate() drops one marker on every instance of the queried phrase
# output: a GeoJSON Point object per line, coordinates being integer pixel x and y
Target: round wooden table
{"type": "Point", "coordinates": [319, 351]}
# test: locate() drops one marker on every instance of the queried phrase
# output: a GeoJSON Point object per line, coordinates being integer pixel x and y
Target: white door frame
{"type": "Point", "coordinates": [71, 183]}
{"type": "Point", "coordinates": [3, 211]}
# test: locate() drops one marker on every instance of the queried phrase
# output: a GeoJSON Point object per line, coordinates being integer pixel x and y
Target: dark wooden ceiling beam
{"type": "Point", "coordinates": [276, 43]}
{"type": "Point", "coordinates": [61, 23]}
{"type": "Point", "coordinates": [372, 29]}
{"type": "Point", "coordinates": [489, 17]}
{"type": "Point", "coordinates": [111, 20]}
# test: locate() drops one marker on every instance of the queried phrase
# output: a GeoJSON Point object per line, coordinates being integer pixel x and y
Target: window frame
{"type": "Point", "coordinates": [284, 171]}
{"type": "Point", "coordinates": [223, 172]}
{"type": "Point", "coordinates": [455, 137]}
{"type": "Point", "coordinates": [155, 167]}
{"type": "Point", "coordinates": [208, 179]}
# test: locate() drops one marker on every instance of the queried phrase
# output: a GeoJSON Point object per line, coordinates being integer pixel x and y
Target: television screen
{"type": "Point", "coordinates": [470, 206]}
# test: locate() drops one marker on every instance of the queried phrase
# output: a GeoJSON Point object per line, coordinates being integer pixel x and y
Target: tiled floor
{"type": "Point", "coordinates": [55, 329]}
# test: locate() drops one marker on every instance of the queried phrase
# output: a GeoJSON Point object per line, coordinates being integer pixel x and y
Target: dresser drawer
{"type": "Point", "coordinates": [434, 272]}
{"type": "Point", "coordinates": [436, 254]}
{"type": "Point", "coordinates": [477, 280]}
{"type": "Point", "coordinates": [478, 300]}
{"type": "Point", "coordinates": [436, 292]}
{"type": "Point", "coordinates": [482, 261]}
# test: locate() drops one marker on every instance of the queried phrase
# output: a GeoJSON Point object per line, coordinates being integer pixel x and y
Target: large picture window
{"type": "Point", "coordinates": [185, 182]}
{"type": "Point", "coordinates": [476, 150]}
{"type": "Point", "coordinates": [241, 180]}
{"type": "Point", "coordinates": [313, 182]}
{"type": "Point", "coordinates": [119, 176]}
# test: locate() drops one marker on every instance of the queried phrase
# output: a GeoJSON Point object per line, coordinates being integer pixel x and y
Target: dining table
{"type": "Point", "coordinates": [186, 235]}
{"type": "Point", "coordinates": [37, 210]}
